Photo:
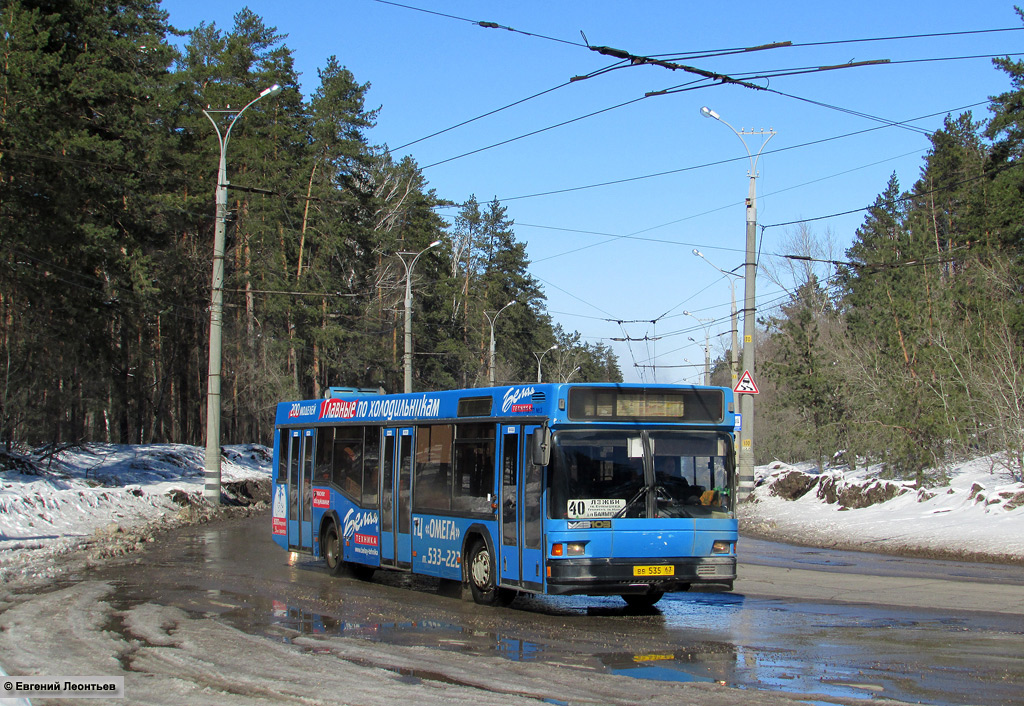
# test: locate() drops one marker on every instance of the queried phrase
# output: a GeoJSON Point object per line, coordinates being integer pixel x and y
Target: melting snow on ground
{"type": "Point", "coordinates": [978, 512]}
{"type": "Point", "coordinates": [54, 503]}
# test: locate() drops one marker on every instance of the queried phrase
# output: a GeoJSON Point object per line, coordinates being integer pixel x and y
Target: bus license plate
{"type": "Point", "coordinates": [661, 570]}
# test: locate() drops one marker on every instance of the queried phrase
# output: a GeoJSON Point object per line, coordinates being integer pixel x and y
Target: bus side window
{"type": "Point", "coordinates": [474, 476]}
{"type": "Point", "coordinates": [282, 456]}
{"type": "Point", "coordinates": [433, 468]}
{"type": "Point", "coordinates": [348, 460]}
{"type": "Point", "coordinates": [371, 466]}
{"type": "Point", "coordinates": [324, 461]}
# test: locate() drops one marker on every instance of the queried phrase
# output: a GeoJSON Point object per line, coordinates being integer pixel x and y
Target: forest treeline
{"type": "Point", "coordinates": [108, 170]}
{"type": "Point", "coordinates": [907, 348]}
{"type": "Point", "coordinates": [904, 349]}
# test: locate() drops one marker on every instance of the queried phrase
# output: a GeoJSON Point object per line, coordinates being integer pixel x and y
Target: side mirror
{"type": "Point", "coordinates": [542, 446]}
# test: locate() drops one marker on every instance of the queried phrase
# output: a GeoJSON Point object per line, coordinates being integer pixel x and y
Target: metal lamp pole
{"type": "Point", "coordinates": [491, 320]}
{"type": "Point", "coordinates": [735, 328]}
{"type": "Point", "coordinates": [746, 470]}
{"type": "Point", "coordinates": [707, 345]}
{"type": "Point", "coordinates": [211, 464]}
{"type": "Point", "coordinates": [540, 357]}
{"type": "Point", "coordinates": [407, 359]}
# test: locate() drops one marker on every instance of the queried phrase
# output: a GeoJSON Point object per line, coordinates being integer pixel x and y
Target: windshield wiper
{"type": "Point", "coordinates": [639, 494]}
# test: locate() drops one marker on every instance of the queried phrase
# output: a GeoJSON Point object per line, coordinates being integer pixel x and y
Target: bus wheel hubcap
{"type": "Point", "coordinates": [481, 569]}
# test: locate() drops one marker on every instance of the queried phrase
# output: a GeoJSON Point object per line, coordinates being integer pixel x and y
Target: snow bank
{"type": "Point", "coordinates": [978, 514]}
{"type": "Point", "coordinates": [110, 498]}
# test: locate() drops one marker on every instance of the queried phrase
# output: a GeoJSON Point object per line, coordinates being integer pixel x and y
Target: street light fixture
{"type": "Point", "coordinates": [407, 359]}
{"type": "Point", "coordinates": [735, 327]}
{"type": "Point", "coordinates": [746, 450]}
{"type": "Point", "coordinates": [707, 345]}
{"type": "Point", "coordinates": [540, 357]}
{"type": "Point", "coordinates": [492, 319]}
{"type": "Point", "coordinates": [575, 370]}
{"type": "Point", "coordinates": [211, 463]}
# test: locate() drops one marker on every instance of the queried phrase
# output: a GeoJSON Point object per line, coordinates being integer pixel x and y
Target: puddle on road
{"type": "Point", "coordinates": [707, 662]}
{"type": "Point", "coordinates": [828, 651]}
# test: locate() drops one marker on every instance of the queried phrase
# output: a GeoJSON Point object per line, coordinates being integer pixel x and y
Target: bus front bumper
{"type": "Point", "coordinates": [638, 576]}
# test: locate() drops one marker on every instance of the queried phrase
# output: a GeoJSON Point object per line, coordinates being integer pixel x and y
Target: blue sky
{"type": "Point", "coordinates": [623, 252]}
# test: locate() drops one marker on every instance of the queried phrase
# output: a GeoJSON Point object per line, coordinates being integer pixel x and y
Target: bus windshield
{"type": "Point", "coordinates": [632, 473]}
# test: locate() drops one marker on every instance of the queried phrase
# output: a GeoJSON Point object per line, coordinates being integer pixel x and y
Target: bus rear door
{"type": "Point", "coordinates": [300, 489]}
{"type": "Point", "coordinates": [395, 499]}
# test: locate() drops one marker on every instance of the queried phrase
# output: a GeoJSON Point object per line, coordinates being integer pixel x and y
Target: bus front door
{"type": "Point", "coordinates": [531, 514]}
{"type": "Point", "coordinates": [300, 489]}
{"type": "Point", "coordinates": [522, 558]}
{"type": "Point", "coordinates": [395, 506]}
{"type": "Point", "coordinates": [510, 450]}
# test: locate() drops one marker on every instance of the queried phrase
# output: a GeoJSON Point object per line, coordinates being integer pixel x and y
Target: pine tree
{"type": "Point", "coordinates": [83, 138]}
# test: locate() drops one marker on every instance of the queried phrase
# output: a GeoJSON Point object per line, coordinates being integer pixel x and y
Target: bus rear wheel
{"type": "Point", "coordinates": [483, 577]}
{"type": "Point", "coordinates": [332, 550]}
{"type": "Point", "coordinates": [335, 558]}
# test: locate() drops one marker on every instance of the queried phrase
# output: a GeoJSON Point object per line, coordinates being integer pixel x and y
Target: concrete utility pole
{"type": "Point", "coordinates": [211, 464]}
{"type": "Point", "coordinates": [407, 359]}
{"type": "Point", "coordinates": [746, 470]}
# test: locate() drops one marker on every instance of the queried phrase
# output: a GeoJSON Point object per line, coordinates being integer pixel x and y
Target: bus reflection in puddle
{"type": "Point", "coordinates": [445, 635]}
{"type": "Point", "coordinates": [671, 666]}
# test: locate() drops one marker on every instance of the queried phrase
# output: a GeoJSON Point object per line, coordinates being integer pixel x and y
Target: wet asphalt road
{"type": "Point", "coordinates": [773, 633]}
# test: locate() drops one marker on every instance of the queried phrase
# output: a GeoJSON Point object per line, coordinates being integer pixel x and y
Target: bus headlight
{"type": "Point", "coordinates": [721, 546]}
{"type": "Point", "coordinates": [568, 549]}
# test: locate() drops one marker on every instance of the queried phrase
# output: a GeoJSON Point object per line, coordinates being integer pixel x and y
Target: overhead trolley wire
{"type": "Point", "coordinates": [731, 159]}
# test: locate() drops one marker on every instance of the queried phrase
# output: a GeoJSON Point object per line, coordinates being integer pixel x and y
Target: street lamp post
{"type": "Point", "coordinates": [746, 455]}
{"type": "Point", "coordinates": [735, 328]}
{"type": "Point", "coordinates": [211, 464]}
{"type": "Point", "coordinates": [491, 320]}
{"type": "Point", "coordinates": [574, 371]}
{"type": "Point", "coordinates": [540, 357]}
{"type": "Point", "coordinates": [407, 358]}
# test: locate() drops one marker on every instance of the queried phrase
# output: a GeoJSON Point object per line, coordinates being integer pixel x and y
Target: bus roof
{"type": "Point", "coordinates": [557, 402]}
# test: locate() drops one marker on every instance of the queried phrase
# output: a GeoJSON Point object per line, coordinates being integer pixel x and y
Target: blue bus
{"type": "Point", "coordinates": [596, 489]}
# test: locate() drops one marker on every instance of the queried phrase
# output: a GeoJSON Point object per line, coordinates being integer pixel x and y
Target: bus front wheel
{"type": "Point", "coordinates": [642, 601]}
{"type": "Point", "coordinates": [483, 577]}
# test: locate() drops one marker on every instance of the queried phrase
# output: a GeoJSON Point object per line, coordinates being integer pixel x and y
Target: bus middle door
{"type": "Point", "coordinates": [395, 506]}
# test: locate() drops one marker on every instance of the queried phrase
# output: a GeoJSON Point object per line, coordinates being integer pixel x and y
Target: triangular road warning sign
{"type": "Point", "coordinates": [746, 384]}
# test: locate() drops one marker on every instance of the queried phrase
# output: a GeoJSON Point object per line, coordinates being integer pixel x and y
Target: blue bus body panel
{"type": "Point", "coordinates": [642, 539]}
{"type": "Point", "coordinates": [437, 543]}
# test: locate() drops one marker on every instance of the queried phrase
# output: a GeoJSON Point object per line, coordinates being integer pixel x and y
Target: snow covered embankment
{"type": "Point", "coordinates": [979, 515]}
{"type": "Point", "coordinates": [103, 500]}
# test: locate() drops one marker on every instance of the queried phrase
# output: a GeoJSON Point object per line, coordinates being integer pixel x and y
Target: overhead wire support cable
{"type": "Point", "coordinates": [478, 23]}
{"type": "Point", "coordinates": [636, 60]}
{"type": "Point", "coordinates": [909, 197]}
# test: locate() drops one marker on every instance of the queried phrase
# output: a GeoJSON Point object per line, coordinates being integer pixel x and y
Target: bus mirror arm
{"type": "Point", "coordinates": [542, 446]}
